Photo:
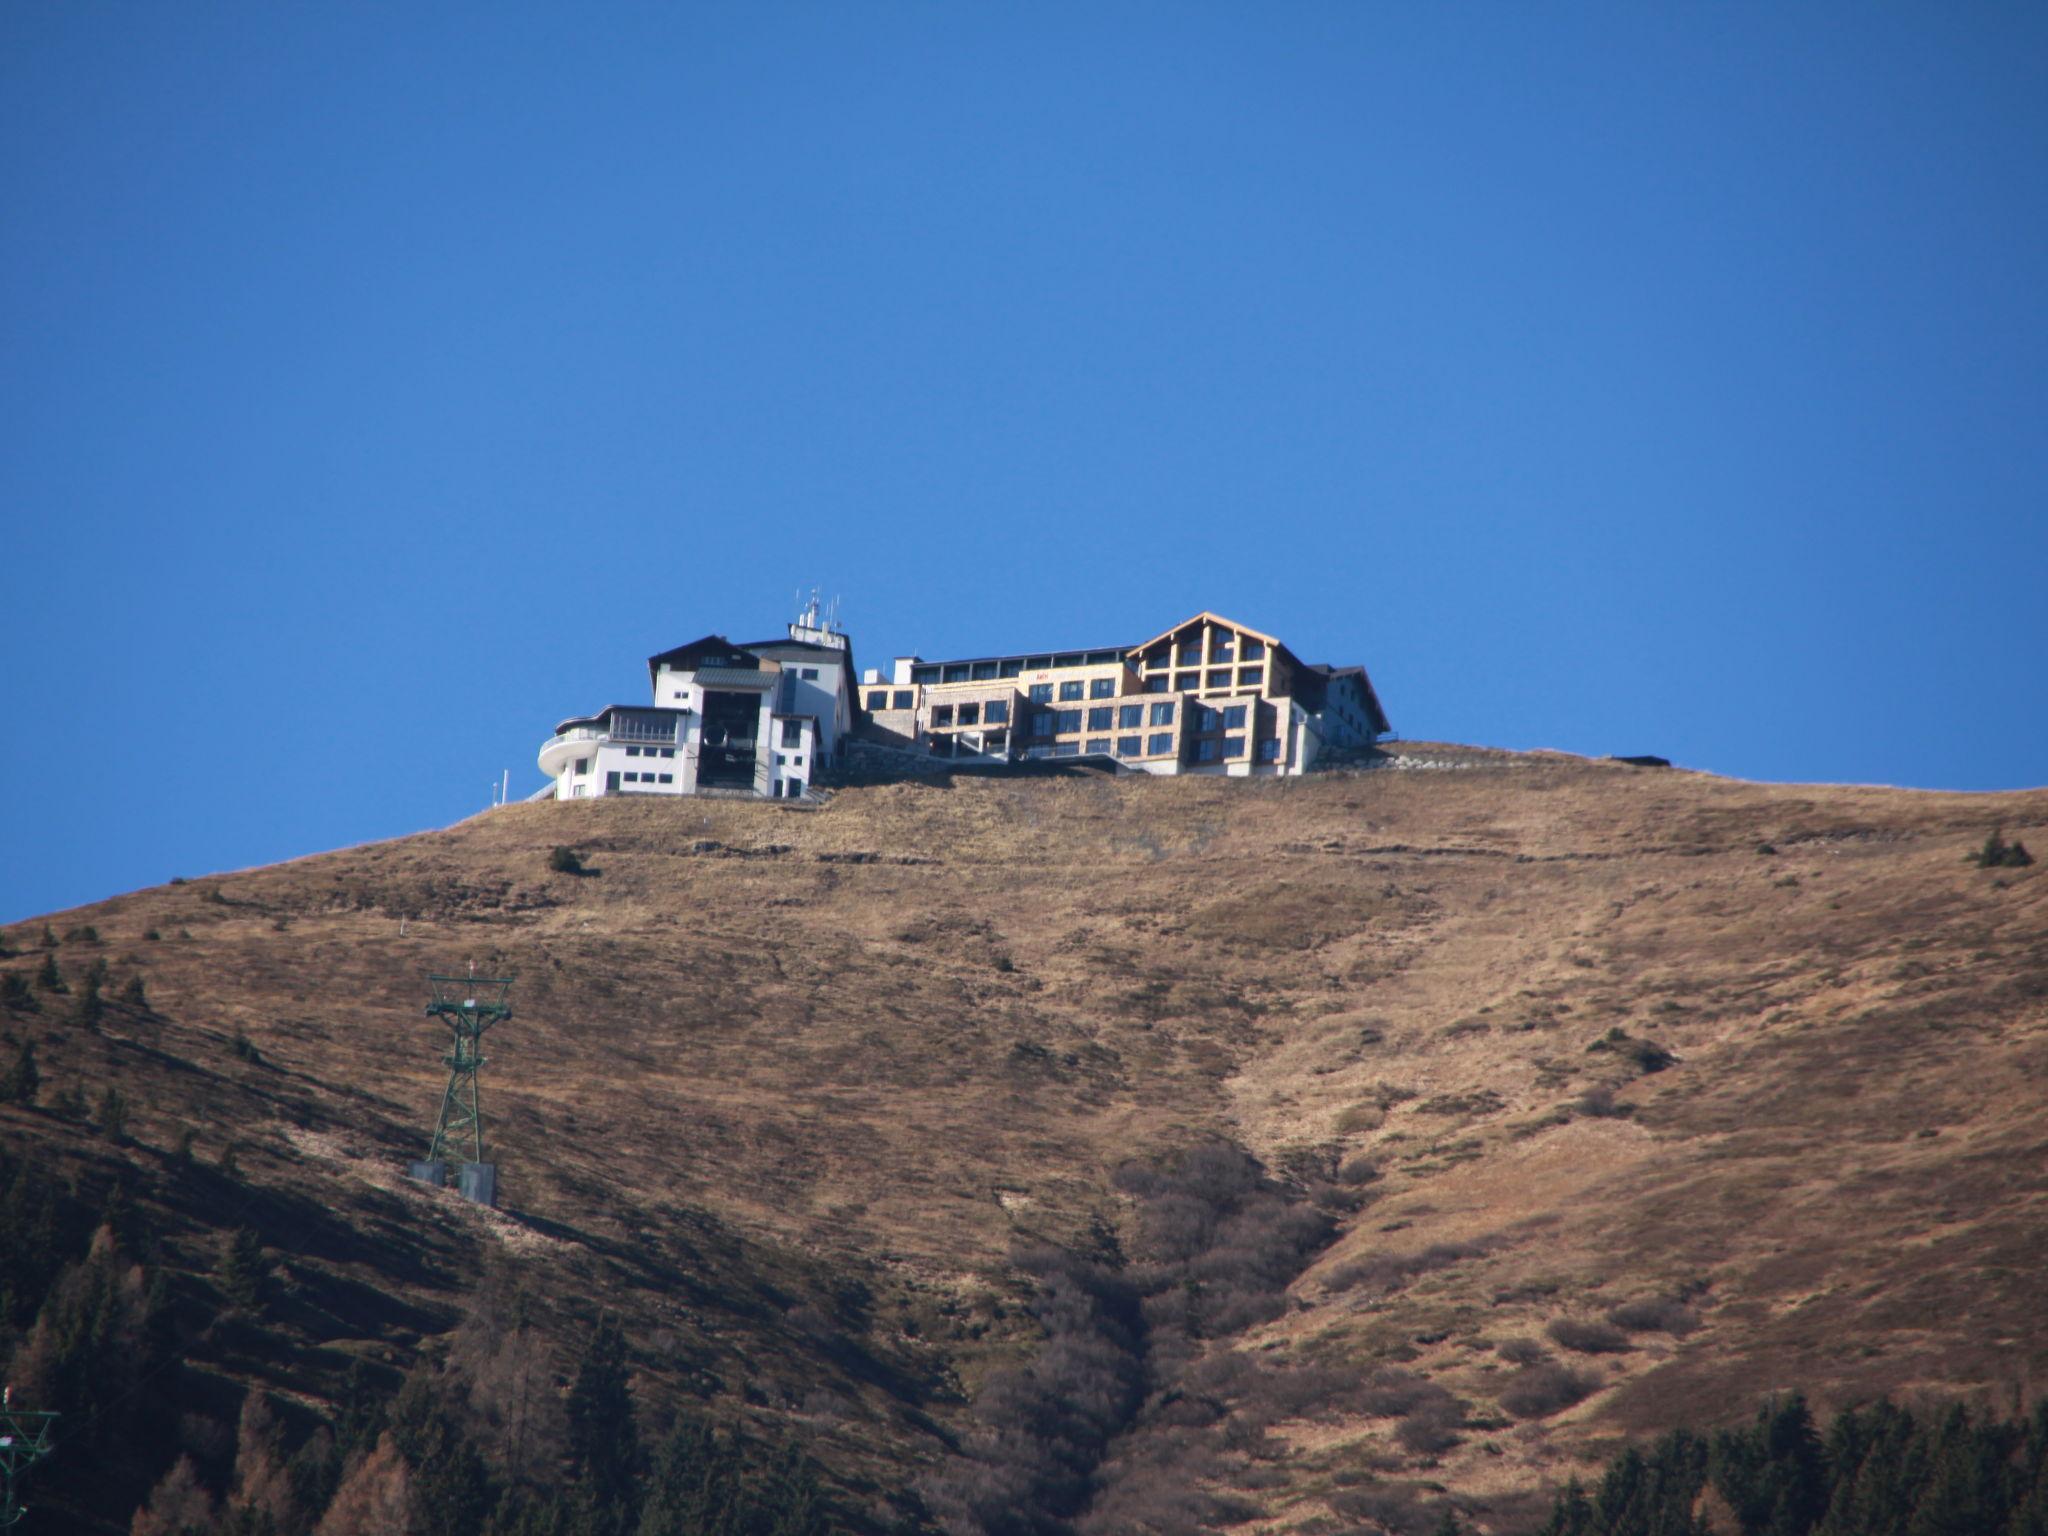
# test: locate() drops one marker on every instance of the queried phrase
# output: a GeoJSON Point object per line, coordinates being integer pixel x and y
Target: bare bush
{"type": "Point", "coordinates": [1521, 1352]}
{"type": "Point", "coordinates": [1542, 1390]}
{"type": "Point", "coordinates": [1357, 1170]}
{"type": "Point", "coordinates": [1588, 1336]}
{"type": "Point", "coordinates": [1663, 1314]}
{"type": "Point", "coordinates": [1387, 1272]}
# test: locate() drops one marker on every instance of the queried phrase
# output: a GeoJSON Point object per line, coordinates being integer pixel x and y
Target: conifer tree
{"type": "Point", "coordinates": [89, 1008]}
{"type": "Point", "coordinates": [243, 1271]}
{"type": "Point", "coordinates": [24, 1079]}
{"type": "Point", "coordinates": [48, 977]}
{"type": "Point", "coordinates": [135, 994]}
{"type": "Point", "coordinates": [604, 1435]}
{"type": "Point", "coordinates": [451, 1492]}
{"type": "Point", "coordinates": [14, 993]}
{"type": "Point", "coordinates": [113, 1116]}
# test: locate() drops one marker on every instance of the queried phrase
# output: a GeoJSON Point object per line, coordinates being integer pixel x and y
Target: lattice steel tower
{"type": "Point", "coordinates": [471, 1004]}
{"type": "Point", "coordinates": [24, 1440]}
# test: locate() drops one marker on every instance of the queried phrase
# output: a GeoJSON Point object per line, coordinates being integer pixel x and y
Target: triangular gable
{"type": "Point", "coordinates": [1205, 616]}
{"type": "Point", "coordinates": [687, 658]}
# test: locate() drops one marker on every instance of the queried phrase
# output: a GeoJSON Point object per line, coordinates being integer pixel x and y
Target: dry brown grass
{"type": "Point", "coordinates": [763, 1053]}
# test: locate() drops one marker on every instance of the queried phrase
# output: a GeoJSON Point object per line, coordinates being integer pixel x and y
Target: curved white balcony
{"type": "Point", "coordinates": [559, 748]}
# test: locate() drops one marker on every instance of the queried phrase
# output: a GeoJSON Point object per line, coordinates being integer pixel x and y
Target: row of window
{"type": "Point", "coordinates": [997, 712]}
{"type": "Point", "coordinates": [879, 698]}
{"type": "Point", "coordinates": [650, 751]}
{"type": "Point", "coordinates": [1211, 750]}
{"type": "Point", "coordinates": [1097, 688]}
{"type": "Point", "coordinates": [1188, 653]}
{"type": "Point", "coordinates": [1007, 666]}
{"type": "Point", "coordinates": [647, 778]}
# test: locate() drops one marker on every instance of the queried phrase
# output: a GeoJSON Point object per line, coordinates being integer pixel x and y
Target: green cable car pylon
{"type": "Point", "coordinates": [24, 1441]}
{"type": "Point", "coordinates": [470, 1005]}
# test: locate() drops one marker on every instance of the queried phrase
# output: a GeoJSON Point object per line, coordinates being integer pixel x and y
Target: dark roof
{"type": "Point", "coordinates": [641, 709]}
{"type": "Point", "coordinates": [764, 646]}
{"type": "Point", "coordinates": [684, 657]}
{"type": "Point", "coordinates": [1326, 674]}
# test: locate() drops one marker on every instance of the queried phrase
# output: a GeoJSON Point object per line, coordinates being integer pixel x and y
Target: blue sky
{"type": "Point", "coordinates": [379, 384]}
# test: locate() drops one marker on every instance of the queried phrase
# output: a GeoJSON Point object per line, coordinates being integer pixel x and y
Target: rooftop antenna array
{"type": "Point", "coordinates": [24, 1441]}
{"type": "Point", "coordinates": [469, 1004]}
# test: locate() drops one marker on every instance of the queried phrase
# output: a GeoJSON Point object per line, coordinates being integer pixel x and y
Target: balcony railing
{"type": "Point", "coordinates": [640, 727]}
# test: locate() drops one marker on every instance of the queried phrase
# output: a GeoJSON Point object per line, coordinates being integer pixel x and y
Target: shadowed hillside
{"type": "Point", "coordinates": [1342, 1146]}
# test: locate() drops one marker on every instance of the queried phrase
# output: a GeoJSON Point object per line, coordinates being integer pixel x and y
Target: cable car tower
{"type": "Point", "coordinates": [24, 1441]}
{"type": "Point", "coordinates": [470, 1005]}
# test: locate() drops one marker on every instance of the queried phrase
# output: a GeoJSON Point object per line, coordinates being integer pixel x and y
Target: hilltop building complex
{"type": "Point", "coordinates": [767, 717]}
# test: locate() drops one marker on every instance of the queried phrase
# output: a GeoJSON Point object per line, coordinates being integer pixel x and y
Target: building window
{"type": "Point", "coordinates": [904, 699]}
{"type": "Point", "coordinates": [668, 751]}
{"type": "Point", "coordinates": [1233, 717]}
{"type": "Point", "coordinates": [1269, 749]}
{"type": "Point", "coordinates": [1220, 647]}
{"type": "Point", "coordinates": [582, 765]}
{"type": "Point", "coordinates": [632, 778]}
{"type": "Point", "coordinates": [970, 714]}
{"type": "Point", "coordinates": [1099, 717]}
{"type": "Point", "coordinates": [1220, 679]}
{"type": "Point", "coordinates": [1069, 692]}
{"type": "Point", "coordinates": [1254, 650]}
{"type": "Point", "coordinates": [666, 778]}
{"type": "Point", "coordinates": [1011, 668]}
{"type": "Point", "coordinates": [942, 714]}
{"type": "Point", "coordinates": [1102, 688]}
{"type": "Point", "coordinates": [1251, 677]}
{"type": "Point", "coordinates": [923, 675]}
{"type": "Point", "coordinates": [1161, 745]}
{"type": "Point", "coordinates": [1162, 714]}
{"type": "Point", "coordinates": [1069, 719]}
{"type": "Point", "coordinates": [1129, 746]}
{"type": "Point", "coordinates": [1157, 684]}
{"type": "Point", "coordinates": [1205, 751]}
{"type": "Point", "coordinates": [998, 712]}
{"type": "Point", "coordinates": [1041, 693]}
{"type": "Point", "coordinates": [632, 751]}
{"type": "Point", "coordinates": [1207, 719]}
{"type": "Point", "coordinates": [1191, 652]}
{"type": "Point", "coordinates": [1130, 716]}
{"type": "Point", "coordinates": [1099, 745]}
{"type": "Point", "coordinates": [1041, 723]}
{"type": "Point", "coordinates": [1233, 746]}
{"type": "Point", "coordinates": [792, 733]}
{"type": "Point", "coordinates": [956, 673]}
{"type": "Point", "coordinates": [811, 673]}
{"type": "Point", "coordinates": [984, 671]}
{"type": "Point", "coordinates": [1066, 749]}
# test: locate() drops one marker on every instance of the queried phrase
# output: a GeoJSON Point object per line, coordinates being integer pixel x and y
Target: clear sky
{"type": "Point", "coordinates": [381, 383]}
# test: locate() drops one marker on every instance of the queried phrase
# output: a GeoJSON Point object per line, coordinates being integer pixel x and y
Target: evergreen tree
{"type": "Point", "coordinates": [14, 993]}
{"type": "Point", "coordinates": [23, 1079]}
{"type": "Point", "coordinates": [135, 994]}
{"type": "Point", "coordinates": [243, 1271]}
{"type": "Point", "coordinates": [89, 1008]}
{"type": "Point", "coordinates": [604, 1435]}
{"type": "Point", "coordinates": [113, 1116]}
{"type": "Point", "coordinates": [451, 1490]}
{"type": "Point", "coordinates": [48, 977]}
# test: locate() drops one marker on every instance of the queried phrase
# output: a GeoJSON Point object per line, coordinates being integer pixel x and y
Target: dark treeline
{"type": "Point", "coordinates": [496, 1436]}
{"type": "Point", "coordinates": [1877, 1471]}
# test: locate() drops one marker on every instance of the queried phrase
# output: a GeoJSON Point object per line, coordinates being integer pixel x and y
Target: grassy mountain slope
{"type": "Point", "coordinates": [789, 1088]}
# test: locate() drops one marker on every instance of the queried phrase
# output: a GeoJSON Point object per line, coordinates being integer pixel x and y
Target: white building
{"type": "Point", "coordinates": [757, 718]}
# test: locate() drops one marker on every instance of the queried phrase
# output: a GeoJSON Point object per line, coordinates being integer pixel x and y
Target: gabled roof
{"type": "Point", "coordinates": [685, 658]}
{"type": "Point", "coordinates": [1213, 618]}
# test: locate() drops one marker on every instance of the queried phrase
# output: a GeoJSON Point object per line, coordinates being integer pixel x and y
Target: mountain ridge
{"type": "Point", "coordinates": [1541, 1039]}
